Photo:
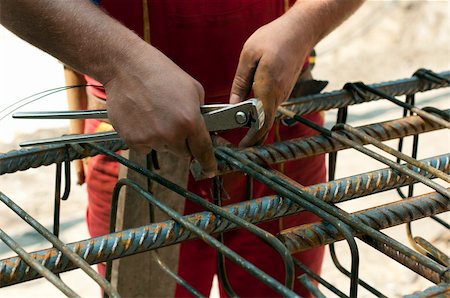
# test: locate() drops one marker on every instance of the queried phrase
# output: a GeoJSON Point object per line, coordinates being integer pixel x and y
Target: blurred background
{"type": "Point", "coordinates": [384, 40]}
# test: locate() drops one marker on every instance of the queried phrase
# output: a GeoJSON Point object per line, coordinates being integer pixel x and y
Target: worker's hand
{"type": "Point", "coordinates": [270, 63]}
{"type": "Point", "coordinates": [154, 104]}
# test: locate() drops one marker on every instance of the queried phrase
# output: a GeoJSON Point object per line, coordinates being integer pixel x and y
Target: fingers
{"type": "Point", "coordinates": [268, 89]}
{"type": "Point", "coordinates": [257, 137]}
{"type": "Point", "coordinates": [243, 79]}
{"type": "Point", "coordinates": [200, 146]}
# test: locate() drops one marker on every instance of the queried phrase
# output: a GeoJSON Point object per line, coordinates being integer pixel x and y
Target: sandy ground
{"type": "Point", "coordinates": [385, 40]}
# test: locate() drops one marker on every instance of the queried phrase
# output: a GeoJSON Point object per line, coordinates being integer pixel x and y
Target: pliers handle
{"type": "Point", "coordinates": [217, 117]}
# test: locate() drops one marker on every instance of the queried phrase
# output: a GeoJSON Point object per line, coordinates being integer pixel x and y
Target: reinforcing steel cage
{"type": "Point", "coordinates": [403, 171]}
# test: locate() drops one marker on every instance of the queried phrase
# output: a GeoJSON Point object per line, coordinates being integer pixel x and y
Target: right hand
{"type": "Point", "coordinates": [154, 104]}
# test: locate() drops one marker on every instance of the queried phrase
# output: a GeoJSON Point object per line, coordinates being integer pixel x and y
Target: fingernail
{"type": "Point", "coordinates": [209, 174]}
{"type": "Point", "coordinates": [198, 172]}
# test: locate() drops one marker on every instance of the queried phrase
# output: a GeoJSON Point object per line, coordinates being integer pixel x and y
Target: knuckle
{"type": "Point", "coordinates": [188, 123]}
{"type": "Point", "coordinates": [199, 87]}
{"type": "Point", "coordinates": [248, 52]}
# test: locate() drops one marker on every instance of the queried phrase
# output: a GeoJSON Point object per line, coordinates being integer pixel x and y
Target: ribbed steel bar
{"type": "Point", "coordinates": [435, 276]}
{"type": "Point", "coordinates": [116, 245]}
{"type": "Point", "coordinates": [396, 153]}
{"type": "Point", "coordinates": [433, 251]}
{"type": "Point", "coordinates": [331, 134]}
{"type": "Point", "coordinates": [208, 239]}
{"type": "Point", "coordinates": [50, 276]}
{"type": "Point", "coordinates": [440, 290]}
{"type": "Point", "coordinates": [422, 113]}
{"type": "Point", "coordinates": [268, 238]}
{"type": "Point", "coordinates": [306, 147]}
{"type": "Point", "coordinates": [75, 258]}
{"type": "Point", "coordinates": [343, 98]}
{"type": "Point", "coordinates": [381, 217]}
{"type": "Point", "coordinates": [318, 207]}
{"type": "Point", "coordinates": [24, 159]}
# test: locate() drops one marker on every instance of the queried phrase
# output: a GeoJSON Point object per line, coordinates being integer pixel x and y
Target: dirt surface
{"type": "Point", "coordinates": [385, 40]}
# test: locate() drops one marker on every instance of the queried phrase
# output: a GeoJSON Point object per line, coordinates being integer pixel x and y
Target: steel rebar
{"type": "Point", "coordinates": [62, 248]}
{"type": "Point", "coordinates": [435, 276]}
{"type": "Point", "coordinates": [24, 159]}
{"type": "Point", "coordinates": [319, 207]}
{"type": "Point", "coordinates": [112, 246]}
{"type": "Point", "coordinates": [50, 276]}
{"type": "Point", "coordinates": [440, 290]}
{"type": "Point", "coordinates": [343, 98]}
{"type": "Point", "coordinates": [381, 217]}
{"type": "Point", "coordinates": [305, 147]}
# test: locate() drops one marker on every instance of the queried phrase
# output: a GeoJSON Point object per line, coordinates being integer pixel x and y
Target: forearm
{"type": "Point", "coordinates": [317, 18]}
{"type": "Point", "coordinates": [75, 32]}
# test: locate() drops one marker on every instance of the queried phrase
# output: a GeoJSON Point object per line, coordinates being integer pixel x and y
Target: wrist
{"type": "Point", "coordinates": [119, 57]}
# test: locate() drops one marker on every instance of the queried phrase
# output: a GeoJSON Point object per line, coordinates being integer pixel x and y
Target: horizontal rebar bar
{"type": "Point", "coordinates": [333, 135]}
{"type": "Point", "coordinates": [306, 147]}
{"type": "Point", "coordinates": [343, 98]}
{"type": "Point", "coordinates": [71, 255]}
{"type": "Point", "coordinates": [421, 112]}
{"type": "Point", "coordinates": [381, 217]}
{"type": "Point", "coordinates": [20, 160]}
{"type": "Point", "coordinates": [408, 261]}
{"type": "Point", "coordinates": [112, 246]}
{"type": "Point", "coordinates": [440, 290]}
{"type": "Point", "coordinates": [322, 209]}
{"type": "Point", "coordinates": [24, 159]}
{"type": "Point", "coordinates": [396, 153]}
{"type": "Point", "coordinates": [50, 276]}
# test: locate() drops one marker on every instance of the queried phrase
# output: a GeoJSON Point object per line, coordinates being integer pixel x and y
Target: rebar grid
{"type": "Point", "coordinates": [291, 198]}
{"type": "Point", "coordinates": [109, 247]}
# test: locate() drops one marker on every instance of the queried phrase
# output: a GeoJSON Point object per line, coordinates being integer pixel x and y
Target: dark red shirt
{"type": "Point", "coordinates": [203, 37]}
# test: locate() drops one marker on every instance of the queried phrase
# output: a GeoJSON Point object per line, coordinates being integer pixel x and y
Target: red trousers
{"type": "Point", "coordinates": [198, 261]}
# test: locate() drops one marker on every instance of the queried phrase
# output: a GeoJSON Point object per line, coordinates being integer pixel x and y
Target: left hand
{"type": "Point", "coordinates": [270, 63]}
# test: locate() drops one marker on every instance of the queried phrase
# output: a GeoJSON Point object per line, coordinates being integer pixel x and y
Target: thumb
{"type": "Point", "coordinates": [243, 79]}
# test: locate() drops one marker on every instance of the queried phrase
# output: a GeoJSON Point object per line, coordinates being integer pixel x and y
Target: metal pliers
{"type": "Point", "coordinates": [217, 117]}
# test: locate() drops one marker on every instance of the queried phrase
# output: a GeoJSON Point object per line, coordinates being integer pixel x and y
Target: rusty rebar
{"type": "Point", "coordinates": [343, 98]}
{"type": "Point", "coordinates": [433, 251]}
{"type": "Point", "coordinates": [396, 153]}
{"type": "Point", "coordinates": [440, 290]}
{"type": "Point", "coordinates": [62, 248]}
{"type": "Point", "coordinates": [271, 282]}
{"type": "Point", "coordinates": [128, 242]}
{"type": "Point", "coordinates": [50, 276]}
{"type": "Point", "coordinates": [381, 217]}
{"type": "Point", "coordinates": [363, 88]}
{"type": "Point", "coordinates": [318, 207]}
{"type": "Point", "coordinates": [24, 159]}
{"type": "Point", "coordinates": [305, 147]}
{"type": "Point", "coordinates": [409, 261]}
{"type": "Point", "coordinates": [333, 135]}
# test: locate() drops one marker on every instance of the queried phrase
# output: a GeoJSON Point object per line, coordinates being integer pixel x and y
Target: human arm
{"type": "Point", "coordinates": [272, 57]}
{"type": "Point", "coordinates": [152, 103]}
